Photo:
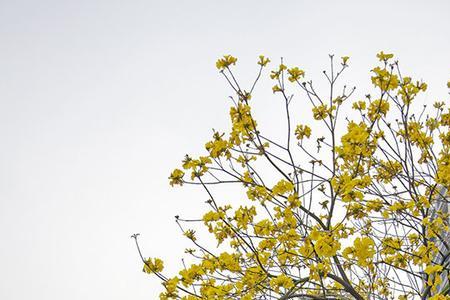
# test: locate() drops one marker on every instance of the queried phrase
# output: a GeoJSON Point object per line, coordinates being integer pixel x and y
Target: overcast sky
{"type": "Point", "coordinates": [99, 100]}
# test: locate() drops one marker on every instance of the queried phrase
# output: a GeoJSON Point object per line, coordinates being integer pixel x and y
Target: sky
{"type": "Point", "coordinates": [100, 100]}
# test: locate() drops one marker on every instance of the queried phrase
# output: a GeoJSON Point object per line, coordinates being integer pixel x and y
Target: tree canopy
{"type": "Point", "coordinates": [355, 210]}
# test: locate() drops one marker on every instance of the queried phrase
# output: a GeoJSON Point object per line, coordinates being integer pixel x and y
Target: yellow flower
{"type": "Point", "coordinates": [363, 251]}
{"type": "Point", "coordinates": [325, 243]}
{"type": "Point", "coordinates": [263, 227]}
{"type": "Point", "coordinates": [258, 193]}
{"type": "Point", "coordinates": [211, 216]}
{"type": "Point", "coordinates": [218, 146]}
{"type": "Point", "coordinates": [188, 276]}
{"type": "Point", "coordinates": [276, 74]}
{"type": "Point", "coordinates": [225, 62]}
{"type": "Point", "coordinates": [320, 112]}
{"type": "Point", "coordinates": [190, 234]}
{"type": "Point", "coordinates": [176, 177]}
{"type": "Point", "coordinates": [281, 281]}
{"type": "Point", "coordinates": [377, 109]}
{"type": "Point", "coordinates": [301, 131]}
{"type": "Point", "coordinates": [171, 284]}
{"type": "Point", "coordinates": [387, 170]}
{"type": "Point", "coordinates": [434, 279]}
{"type": "Point", "coordinates": [384, 56]}
{"type": "Point", "coordinates": [431, 269]}
{"type": "Point", "coordinates": [263, 61]}
{"type": "Point", "coordinates": [391, 245]}
{"type": "Point", "coordinates": [276, 88]}
{"type": "Point", "coordinates": [384, 79]}
{"type": "Point", "coordinates": [243, 124]}
{"type": "Point", "coordinates": [344, 60]}
{"type": "Point", "coordinates": [229, 262]}
{"type": "Point", "coordinates": [359, 105]}
{"type": "Point", "coordinates": [282, 187]}
{"type": "Point", "coordinates": [409, 90]}
{"type": "Point", "coordinates": [356, 142]}
{"type": "Point", "coordinates": [295, 74]}
{"type": "Point", "coordinates": [244, 216]}
{"type": "Point", "coordinates": [153, 265]}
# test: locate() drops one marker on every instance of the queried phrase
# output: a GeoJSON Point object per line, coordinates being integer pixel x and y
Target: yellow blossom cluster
{"type": "Point", "coordinates": [343, 219]}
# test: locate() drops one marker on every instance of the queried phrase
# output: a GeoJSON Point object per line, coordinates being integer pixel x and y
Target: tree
{"type": "Point", "coordinates": [356, 210]}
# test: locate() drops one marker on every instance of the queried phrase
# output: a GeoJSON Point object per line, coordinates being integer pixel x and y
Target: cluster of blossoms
{"type": "Point", "coordinates": [358, 219]}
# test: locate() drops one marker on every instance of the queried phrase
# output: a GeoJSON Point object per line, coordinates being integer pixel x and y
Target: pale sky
{"type": "Point", "coordinates": [100, 100]}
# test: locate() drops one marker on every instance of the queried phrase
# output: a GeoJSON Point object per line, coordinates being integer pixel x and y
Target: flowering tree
{"type": "Point", "coordinates": [345, 213]}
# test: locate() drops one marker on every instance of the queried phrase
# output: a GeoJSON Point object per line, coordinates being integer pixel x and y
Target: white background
{"type": "Point", "coordinates": [100, 100]}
